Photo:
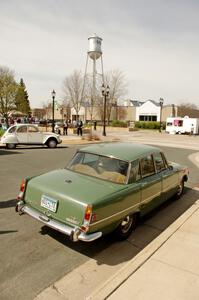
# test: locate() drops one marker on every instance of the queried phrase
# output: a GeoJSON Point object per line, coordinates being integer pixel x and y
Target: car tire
{"type": "Point", "coordinates": [180, 190]}
{"type": "Point", "coordinates": [52, 143]}
{"type": "Point", "coordinates": [126, 226]}
{"type": "Point", "coordinates": [11, 146]}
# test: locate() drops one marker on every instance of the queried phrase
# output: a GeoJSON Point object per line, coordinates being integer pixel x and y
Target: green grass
{"type": "Point", "coordinates": [1, 131]}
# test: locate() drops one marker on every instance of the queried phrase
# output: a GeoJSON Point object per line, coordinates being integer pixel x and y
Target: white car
{"type": "Point", "coordinates": [29, 134]}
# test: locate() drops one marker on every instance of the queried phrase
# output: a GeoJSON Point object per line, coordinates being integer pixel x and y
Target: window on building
{"type": "Point", "coordinates": [147, 118]}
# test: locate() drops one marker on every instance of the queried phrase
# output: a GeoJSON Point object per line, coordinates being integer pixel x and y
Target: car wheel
{"type": "Point", "coordinates": [126, 227]}
{"type": "Point", "coordinates": [52, 143]}
{"type": "Point", "coordinates": [180, 189]}
{"type": "Point", "coordinates": [11, 146]}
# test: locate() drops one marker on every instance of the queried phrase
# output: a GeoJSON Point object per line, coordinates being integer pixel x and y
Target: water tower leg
{"type": "Point", "coordinates": [102, 70]}
{"type": "Point", "coordinates": [84, 78]}
{"type": "Point", "coordinates": [94, 81]}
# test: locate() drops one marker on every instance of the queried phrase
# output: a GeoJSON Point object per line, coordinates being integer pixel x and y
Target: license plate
{"type": "Point", "coordinates": [49, 203]}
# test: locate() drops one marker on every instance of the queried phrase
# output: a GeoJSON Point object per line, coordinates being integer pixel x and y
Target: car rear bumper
{"type": "Point", "coordinates": [73, 232]}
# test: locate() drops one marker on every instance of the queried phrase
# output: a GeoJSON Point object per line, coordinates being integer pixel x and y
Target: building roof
{"type": "Point", "coordinates": [140, 103]}
{"type": "Point", "coordinates": [136, 102]}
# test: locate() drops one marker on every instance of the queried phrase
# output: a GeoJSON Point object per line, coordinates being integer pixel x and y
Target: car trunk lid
{"type": "Point", "coordinates": [64, 195]}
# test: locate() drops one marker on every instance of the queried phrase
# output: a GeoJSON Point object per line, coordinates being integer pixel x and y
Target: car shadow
{"type": "Point", "coordinates": [7, 231]}
{"type": "Point", "coordinates": [9, 152]}
{"type": "Point", "coordinates": [39, 147]}
{"type": "Point", "coordinates": [107, 250]}
{"type": "Point", "coordinates": [17, 150]}
{"type": "Point", "coordinates": [7, 203]}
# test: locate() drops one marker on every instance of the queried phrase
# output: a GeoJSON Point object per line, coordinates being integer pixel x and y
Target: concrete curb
{"type": "Point", "coordinates": [114, 282]}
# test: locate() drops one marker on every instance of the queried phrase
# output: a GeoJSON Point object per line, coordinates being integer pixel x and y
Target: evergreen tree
{"type": "Point", "coordinates": [21, 101]}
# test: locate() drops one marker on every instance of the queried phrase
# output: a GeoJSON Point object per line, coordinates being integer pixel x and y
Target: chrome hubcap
{"type": "Point", "coordinates": [126, 224]}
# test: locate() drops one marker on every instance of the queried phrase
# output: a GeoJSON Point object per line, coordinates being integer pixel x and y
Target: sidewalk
{"type": "Point", "coordinates": [168, 268]}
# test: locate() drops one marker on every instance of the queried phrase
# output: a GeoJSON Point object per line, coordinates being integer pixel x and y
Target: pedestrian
{"type": "Point", "coordinates": [79, 127]}
{"type": "Point", "coordinates": [95, 125]}
{"type": "Point", "coordinates": [65, 127]}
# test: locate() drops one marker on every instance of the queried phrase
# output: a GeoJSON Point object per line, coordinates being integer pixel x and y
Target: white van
{"type": "Point", "coordinates": [179, 125]}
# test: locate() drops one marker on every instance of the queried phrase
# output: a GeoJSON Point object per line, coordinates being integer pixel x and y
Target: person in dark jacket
{"type": "Point", "coordinates": [79, 127]}
{"type": "Point", "coordinates": [65, 127]}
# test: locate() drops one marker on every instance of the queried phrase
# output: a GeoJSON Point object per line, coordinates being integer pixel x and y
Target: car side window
{"type": "Point", "coordinates": [159, 162]}
{"type": "Point", "coordinates": [22, 129]}
{"type": "Point", "coordinates": [12, 129]}
{"type": "Point", "coordinates": [147, 166]}
{"type": "Point", "coordinates": [32, 129]}
{"type": "Point", "coordinates": [134, 171]}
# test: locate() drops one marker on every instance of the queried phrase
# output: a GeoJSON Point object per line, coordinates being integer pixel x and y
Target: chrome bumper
{"type": "Point", "coordinates": [74, 233]}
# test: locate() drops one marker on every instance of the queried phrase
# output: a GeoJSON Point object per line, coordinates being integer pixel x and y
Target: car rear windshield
{"type": "Point", "coordinates": [102, 167]}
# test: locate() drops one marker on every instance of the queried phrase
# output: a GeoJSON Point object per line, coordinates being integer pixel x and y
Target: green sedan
{"type": "Point", "coordinates": [104, 188]}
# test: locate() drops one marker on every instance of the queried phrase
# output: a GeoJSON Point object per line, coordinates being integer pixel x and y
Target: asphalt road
{"type": "Point", "coordinates": [33, 256]}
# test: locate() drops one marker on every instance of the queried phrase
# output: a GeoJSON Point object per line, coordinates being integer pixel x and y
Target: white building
{"type": "Point", "coordinates": [146, 111]}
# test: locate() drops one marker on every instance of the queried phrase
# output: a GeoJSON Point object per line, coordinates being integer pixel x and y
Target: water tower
{"type": "Point", "coordinates": [95, 50]}
{"type": "Point", "coordinates": [94, 67]}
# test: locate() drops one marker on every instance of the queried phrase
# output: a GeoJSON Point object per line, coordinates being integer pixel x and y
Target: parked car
{"type": "Point", "coordinates": [104, 189]}
{"type": "Point", "coordinates": [29, 134]}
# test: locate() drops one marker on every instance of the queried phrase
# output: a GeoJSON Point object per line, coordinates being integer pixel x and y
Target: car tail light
{"type": "Point", "coordinates": [88, 216]}
{"type": "Point", "coordinates": [22, 189]}
{"type": "Point", "coordinates": [88, 213]}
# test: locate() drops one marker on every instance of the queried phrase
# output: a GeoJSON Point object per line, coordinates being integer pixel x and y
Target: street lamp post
{"type": "Point", "coordinates": [53, 110]}
{"type": "Point", "coordinates": [105, 93]}
{"type": "Point", "coordinates": [161, 101]}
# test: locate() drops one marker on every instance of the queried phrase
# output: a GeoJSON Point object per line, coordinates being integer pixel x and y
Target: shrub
{"type": "Point", "coordinates": [1, 131]}
{"type": "Point", "coordinates": [148, 125]}
{"type": "Point", "coordinates": [117, 123]}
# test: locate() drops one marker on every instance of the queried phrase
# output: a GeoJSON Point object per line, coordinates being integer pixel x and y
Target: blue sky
{"type": "Point", "coordinates": [154, 43]}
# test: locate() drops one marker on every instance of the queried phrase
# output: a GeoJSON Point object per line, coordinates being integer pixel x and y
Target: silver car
{"type": "Point", "coordinates": [29, 134]}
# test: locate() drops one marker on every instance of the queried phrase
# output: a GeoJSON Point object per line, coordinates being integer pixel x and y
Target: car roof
{"type": "Point", "coordinates": [23, 124]}
{"type": "Point", "coordinates": [121, 150]}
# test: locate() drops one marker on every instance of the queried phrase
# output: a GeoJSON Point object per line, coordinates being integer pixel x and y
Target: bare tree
{"type": "Point", "coordinates": [47, 106]}
{"type": "Point", "coordinates": [188, 109]}
{"type": "Point", "coordinates": [8, 89]}
{"type": "Point", "coordinates": [89, 97]}
{"type": "Point", "coordinates": [93, 95]}
{"type": "Point", "coordinates": [116, 81]}
{"type": "Point", "coordinates": [72, 88]}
